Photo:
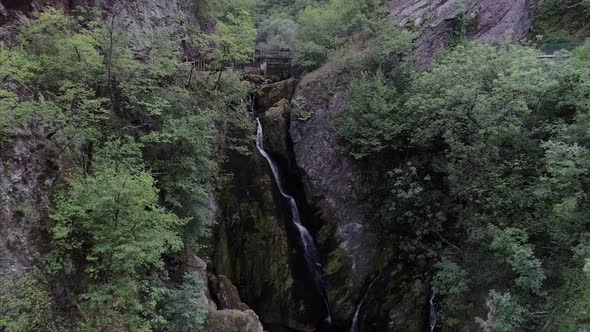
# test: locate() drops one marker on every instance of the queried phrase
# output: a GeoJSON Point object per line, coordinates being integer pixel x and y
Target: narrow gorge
{"type": "Point", "coordinates": [294, 165]}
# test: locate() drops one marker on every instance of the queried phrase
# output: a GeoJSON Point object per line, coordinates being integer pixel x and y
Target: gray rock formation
{"type": "Point", "coordinates": [25, 180]}
{"type": "Point", "coordinates": [269, 94]}
{"type": "Point", "coordinates": [331, 183]}
{"type": "Point", "coordinates": [276, 122]}
{"type": "Point", "coordinates": [491, 21]}
{"type": "Point", "coordinates": [233, 321]}
{"type": "Point", "coordinates": [229, 313]}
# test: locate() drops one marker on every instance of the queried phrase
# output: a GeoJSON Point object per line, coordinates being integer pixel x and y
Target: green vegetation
{"type": "Point", "coordinates": [26, 304]}
{"type": "Point", "coordinates": [137, 126]}
{"type": "Point", "coordinates": [316, 29]}
{"type": "Point", "coordinates": [560, 21]}
{"type": "Point", "coordinates": [480, 164]}
{"type": "Point", "coordinates": [489, 144]}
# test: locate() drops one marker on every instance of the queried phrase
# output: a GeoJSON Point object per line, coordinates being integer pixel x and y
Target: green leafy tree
{"type": "Point", "coordinates": [369, 123]}
{"type": "Point", "coordinates": [63, 53]}
{"type": "Point", "coordinates": [17, 65]}
{"type": "Point", "coordinates": [510, 314]}
{"type": "Point", "coordinates": [112, 221]}
{"type": "Point", "coordinates": [235, 38]}
{"type": "Point", "coordinates": [277, 33]}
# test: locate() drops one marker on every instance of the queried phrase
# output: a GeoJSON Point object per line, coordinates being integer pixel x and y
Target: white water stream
{"type": "Point", "coordinates": [309, 248]}
{"type": "Point", "coordinates": [355, 320]}
{"type": "Point", "coordinates": [432, 312]}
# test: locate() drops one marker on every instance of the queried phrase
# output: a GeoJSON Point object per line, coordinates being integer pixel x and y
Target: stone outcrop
{"type": "Point", "coordinates": [276, 132]}
{"type": "Point", "coordinates": [491, 21]}
{"type": "Point", "coordinates": [269, 94]}
{"type": "Point", "coordinates": [233, 321]}
{"type": "Point", "coordinates": [30, 166]}
{"type": "Point", "coordinates": [27, 175]}
{"type": "Point", "coordinates": [227, 312]}
{"type": "Point", "coordinates": [226, 293]}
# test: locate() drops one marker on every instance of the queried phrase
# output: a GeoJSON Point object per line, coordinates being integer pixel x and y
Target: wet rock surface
{"type": "Point", "coordinates": [333, 183]}
{"type": "Point", "coordinates": [276, 129]}
{"type": "Point", "coordinates": [254, 245]}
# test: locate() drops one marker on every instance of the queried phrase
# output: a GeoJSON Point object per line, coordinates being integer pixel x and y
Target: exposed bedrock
{"type": "Point", "coordinates": [354, 255]}
{"type": "Point", "coordinates": [255, 246]}
{"type": "Point", "coordinates": [491, 21]}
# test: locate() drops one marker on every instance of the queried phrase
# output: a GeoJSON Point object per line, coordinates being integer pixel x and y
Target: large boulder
{"type": "Point", "coordinates": [269, 94]}
{"type": "Point", "coordinates": [226, 293]}
{"type": "Point", "coordinates": [276, 129]}
{"type": "Point", "coordinates": [233, 321]}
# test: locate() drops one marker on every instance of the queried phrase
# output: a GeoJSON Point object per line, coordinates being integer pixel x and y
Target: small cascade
{"type": "Point", "coordinates": [310, 250]}
{"type": "Point", "coordinates": [432, 312]}
{"type": "Point", "coordinates": [355, 320]}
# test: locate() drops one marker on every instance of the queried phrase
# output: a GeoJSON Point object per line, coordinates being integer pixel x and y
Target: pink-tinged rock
{"type": "Point", "coordinates": [491, 21]}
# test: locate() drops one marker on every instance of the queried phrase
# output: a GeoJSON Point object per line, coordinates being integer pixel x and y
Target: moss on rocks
{"type": "Point", "coordinates": [233, 320]}
{"type": "Point", "coordinates": [270, 94]}
{"type": "Point", "coordinates": [276, 129]}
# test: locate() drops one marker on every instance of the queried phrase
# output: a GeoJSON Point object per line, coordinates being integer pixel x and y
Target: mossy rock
{"type": "Point", "coordinates": [233, 320]}
{"type": "Point", "coordinates": [276, 129]}
{"type": "Point", "coordinates": [270, 94]}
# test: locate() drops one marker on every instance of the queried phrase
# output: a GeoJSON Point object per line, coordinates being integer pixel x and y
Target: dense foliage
{"type": "Point", "coordinates": [480, 163]}
{"type": "Point", "coordinates": [494, 150]}
{"type": "Point", "coordinates": [316, 29]}
{"type": "Point", "coordinates": [137, 126]}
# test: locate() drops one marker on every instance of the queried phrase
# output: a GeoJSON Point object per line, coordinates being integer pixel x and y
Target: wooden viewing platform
{"type": "Point", "coordinates": [275, 63]}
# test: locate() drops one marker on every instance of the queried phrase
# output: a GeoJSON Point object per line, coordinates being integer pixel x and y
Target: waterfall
{"type": "Point", "coordinates": [432, 312]}
{"type": "Point", "coordinates": [355, 320]}
{"type": "Point", "coordinates": [310, 250]}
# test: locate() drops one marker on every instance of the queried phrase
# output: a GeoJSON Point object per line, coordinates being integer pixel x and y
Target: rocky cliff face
{"type": "Point", "coordinates": [491, 21]}
{"type": "Point", "coordinates": [354, 255]}
{"type": "Point", "coordinates": [137, 16]}
{"type": "Point", "coordinates": [333, 182]}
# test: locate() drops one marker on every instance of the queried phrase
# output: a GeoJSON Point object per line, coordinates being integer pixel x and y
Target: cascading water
{"type": "Point", "coordinates": [310, 250]}
{"type": "Point", "coordinates": [355, 320]}
{"type": "Point", "coordinates": [432, 312]}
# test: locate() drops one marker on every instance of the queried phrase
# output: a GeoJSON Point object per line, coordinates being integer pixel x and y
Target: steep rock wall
{"type": "Point", "coordinates": [333, 183]}
{"type": "Point", "coordinates": [254, 244]}
{"type": "Point", "coordinates": [491, 21]}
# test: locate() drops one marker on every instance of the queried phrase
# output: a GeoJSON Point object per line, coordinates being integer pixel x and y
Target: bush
{"type": "Point", "coordinates": [310, 55]}
{"type": "Point", "coordinates": [182, 310]}
{"type": "Point", "coordinates": [510, 314]}
{"type": "Point", "coordinates": [26, 304]}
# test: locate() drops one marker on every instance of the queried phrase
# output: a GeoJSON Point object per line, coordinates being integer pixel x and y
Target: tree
{"type": "Point", "coordinates": [234, 40]}
{"type": "Point", "coordinates": [369, 122]}
{"type": "Point", "coordinates": [26, 303]}
{"type": "Point", "coordinates": [277, 33]}
{"type": "Point", "coordinates": [111, 220]}
{"type": "Point", "coordinates": [183, 311]}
